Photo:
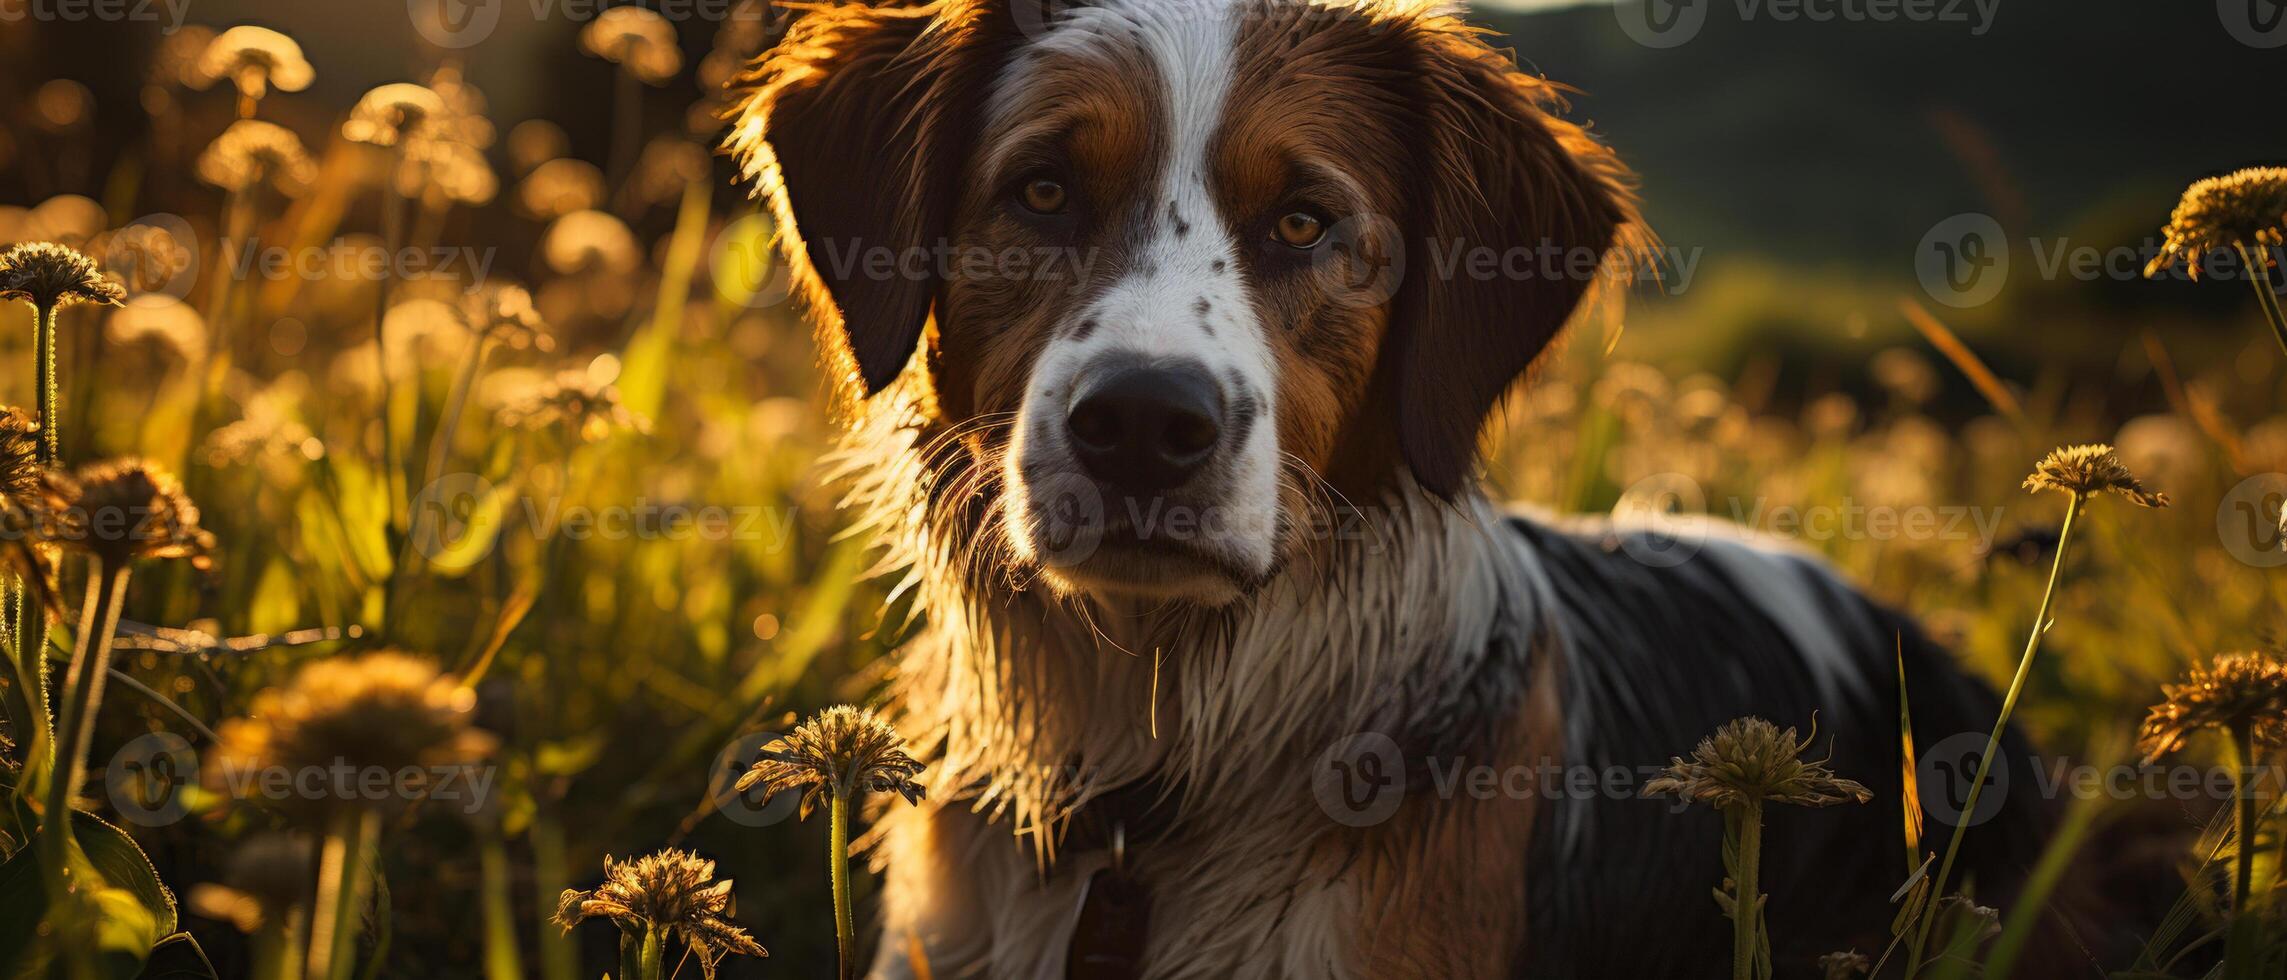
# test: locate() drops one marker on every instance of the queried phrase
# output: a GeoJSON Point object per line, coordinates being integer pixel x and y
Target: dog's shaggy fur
{"type": "Point", "coordinates": [1348, 720]}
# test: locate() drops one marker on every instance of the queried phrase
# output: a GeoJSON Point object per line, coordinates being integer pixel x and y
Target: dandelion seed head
{"type": "Point", "coordinates": [559, 187]}
{"type": "Point", "coordinates": [255, 59]}
{"type": "Point", "coordinates": [49, 275]}
{"type": "Point", "coordinates": [839, 751]}
{"type": "Point", "coordinates": [572, 400]}
{"type": "Point", "coordinates": [392, 113]}
{"type": "Point", "coordinates": [503, 313]}
{"type": "Point", "coordinates": [122, 510]}
{"type": "Point", "coordinates": [638, 40]}
{"type": "Point", "coordinates": [1749, 760]}
{"type": "Point", "coordinates": [2244, 692]}
{"type": "Point", "coordinates": [2242, 208]}
{"type": "Point", "coordinates": [590, 241]}
{"type": "Point", "coordinates": [383, 711]}
{"type": "Point", "coordinates": [2085, 471]}
{"type": "Point", "coordinates": [252, 152]}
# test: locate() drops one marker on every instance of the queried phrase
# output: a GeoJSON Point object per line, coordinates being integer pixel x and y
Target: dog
{"type": "Point", "coordinates": [1166, 342]}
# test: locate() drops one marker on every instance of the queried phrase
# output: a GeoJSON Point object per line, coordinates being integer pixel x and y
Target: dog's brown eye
{"type": "Point", "coordinates": [1044, 196]}
{"type": "Point", "coordinates": [1300, 229]}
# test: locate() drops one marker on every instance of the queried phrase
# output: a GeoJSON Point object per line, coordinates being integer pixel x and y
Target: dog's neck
{"type": "Point", "coordinates": [1410, 618]}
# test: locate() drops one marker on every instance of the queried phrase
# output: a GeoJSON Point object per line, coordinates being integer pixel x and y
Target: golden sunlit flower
{"type": "Point", "coordinates": [638, 40]}
{"type": "Point", "coordinates": [392, 113]}
{"type": "Point", "coordinates": [255, 59]}
{"type": "Point", "coordinates": [2242, 693]}
{"type": "Point", "coordinates": [456, 171]}
{"type": "Point", "coordinates": [559, 187]}
{"type": "Point", "coordinates": [841, 751]}
{"type": "Point", "coordinates": [504, 313]}
{"type": "Point", "coordinates": [590, 241]}
{"type": "Point", "coordinates": [251, 152]}
{"type": "Point", "coordinates": [673, 891]}
{"type": "Point", "coordinates": [24, 552]}
{"type": "Point", "coordinates": [267, 876]}
{"type": "Point", "coordinates": [2086, 471]}
{"type": "Point", "coordinates": [463, 119]}
{"type": "Point", "coordinates": [49, 275]}
{"type": "Point", "coordinates": [19, 454]}
{"type": "Point", "coordinates": [1750, 760]}
{"type": "Point", "coordinates": [574, 400]}
{"type": "Point", "coordinates": [385, 711]}
{"type": "Point", "coordinates": [2243, 208]}
{"type": "Point", "coordinates": [125, 509]}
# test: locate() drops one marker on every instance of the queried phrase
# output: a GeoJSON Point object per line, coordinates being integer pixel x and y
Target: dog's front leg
{"type": "Point", "coordinates": [961, 893]}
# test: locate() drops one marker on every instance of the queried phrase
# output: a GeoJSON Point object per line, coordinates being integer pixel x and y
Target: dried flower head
{"type": "Point", "coordinates": [638, 40]}
{"type": "Point", "coordinates": [454, 171]}
{"type": "Point", "coordinates": [255, 59]}
{"type": "Point", "coordinates": [504, 313]}
{"type": "Point", "coordinates": [2246, 207]}
{"type": "Point", "coordinates": [673, 891]}
{"type": "Point", "coordinates": [840, 752]}
{"type": "Point", "coordinates": [2085, 471]}
{"type": "Point", "coordinates": [122, 510]}
{"type": "Point", "coordinates": [267, 876]}
{"type": "Point", "coordinates": [252, 152]}
{"type": "Point", "coordinates": [49, 275]}
{"type": "Point", "coordinates": [590, 241]}
{"type": "Point", "coordinates": [24, 550]}
{"type": "Point", "coordinates": [1843, 966]}
{"type": "Point", "coordinates": [2242, 693]}
{"type": "Point", "coordinates": [19, 454]}
{"type": "Point", "coordinates": [385, 711]}
{"type": "Point", "coordinates": [572, 400]}
{"type": "Point", "coordinates": [392, 113]}
{"type": "Point", "coordinates": [1750, 760]}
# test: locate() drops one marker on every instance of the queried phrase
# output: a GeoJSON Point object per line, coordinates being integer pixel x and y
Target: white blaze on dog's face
{"type": "Point", "coordinates": [1164, 240]}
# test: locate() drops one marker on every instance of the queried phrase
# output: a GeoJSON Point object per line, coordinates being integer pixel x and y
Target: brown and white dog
{"type": "Point", "coordinates": [1167, 348]}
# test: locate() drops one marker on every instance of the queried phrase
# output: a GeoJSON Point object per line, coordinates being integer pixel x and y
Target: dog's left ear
{"type": "Point", "coordinates": [1508, 181]}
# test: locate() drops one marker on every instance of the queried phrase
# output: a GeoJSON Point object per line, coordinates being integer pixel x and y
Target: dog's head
{"type": "Point", "coordinates": [1179, 267]}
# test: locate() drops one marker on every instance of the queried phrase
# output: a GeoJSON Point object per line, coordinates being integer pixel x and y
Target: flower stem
{"type": "Point", "coordinates": [839, 863]}
{"type": "Point", "coordinates": [51, 424]}
{"type": "Point", "coordinates": [1746, 896]}
{"type": "Point", "coordinates": [1993, 740]}
{"type": "Point", "coordinates": [2241, 943]}
{"type": "Point", "coordinates": [90, 662]}
{"type": "Point", "coordinates": [642, 957]}
{"type": "Point", "coordinates": [341, 884]}
{"type": "Point", "coordinates": [275, 947]}
{"type": "Point", "coordinates": [2259, 276]}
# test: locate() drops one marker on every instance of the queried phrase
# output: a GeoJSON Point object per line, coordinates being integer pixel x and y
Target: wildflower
{"type": "Point", "coordinates": [462, 119]}
{"type": "Point", "coordinates": [505, 313]}
{"type": "Point", "coordinates": [589, 241]}
{"type": "Point", "coordinates": [392, 113]}
{"type": "Point", "coordinates": [1751, 760]}
{"type": "Point", "coordinates": [266, 877]}
{"type": "Point", "coordinates": [2085, 471]}
{"type": "Point", "coordinates": [255, 60]}
{"type": "Point", "coordinates": [456, 171]}
{"type": "Point", "coordinates": [575, 400]}
{"type": "Point", "coordinates": [252, 152]}
{"type": "Point", "coordinates": [673, 893]}
{"type": "Point", "coordinates": [384, 711]}
{"type": "Point", "coordinates": [49, 275]}
{"type": "Point", "coordinates": [841, 752]}
{"type": "Point", "coordinates": [24, 553]}
{"type": "Point", "coordinates": [2243, 209]}
{"type": "Point", "coordinates": [668, 165]}
{"type": "Point", "coordinates": [122, 510]}
{"type": "Point", "coordinates": [559, 187]}
{"type": "Point", "coordinates": [639, 41]}
{"type": "Point", "coordinates": [2237, 692]}
{"type": "Point", "coordinates": [19, 454]}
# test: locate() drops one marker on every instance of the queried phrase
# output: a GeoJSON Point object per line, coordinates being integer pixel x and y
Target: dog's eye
{"type": "Point", "coordinates": [1299, 229]}
{"type": "Point", "coordinates": [1044, 196]}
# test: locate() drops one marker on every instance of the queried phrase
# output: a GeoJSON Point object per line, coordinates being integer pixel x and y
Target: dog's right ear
{"type": "Point", "coordinates": [855, 128]}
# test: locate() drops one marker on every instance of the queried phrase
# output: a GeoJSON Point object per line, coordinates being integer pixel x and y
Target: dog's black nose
{"type": "Point", "coordinates": [1142, 429]}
